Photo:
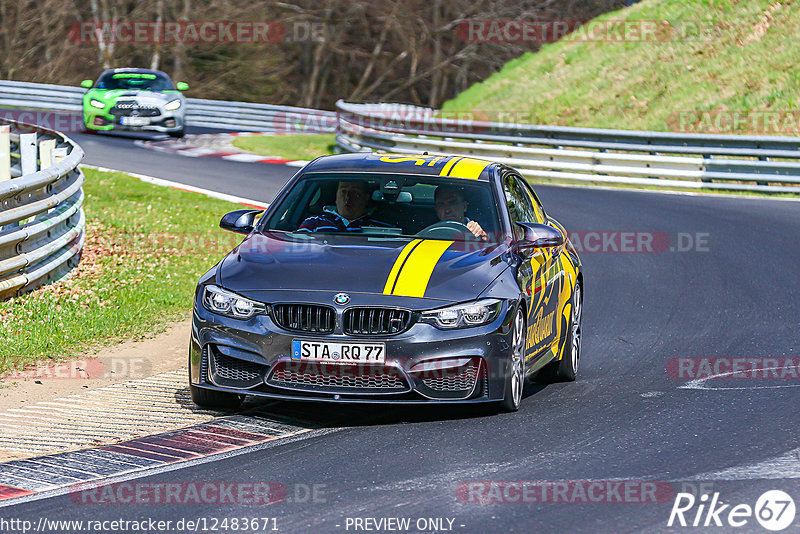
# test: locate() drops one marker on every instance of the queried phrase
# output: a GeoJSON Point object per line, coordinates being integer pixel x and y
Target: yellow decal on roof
{"type": "Point", "coordinates": [449, 165]}
{"type": "Point", "coordinates": [464, 168]}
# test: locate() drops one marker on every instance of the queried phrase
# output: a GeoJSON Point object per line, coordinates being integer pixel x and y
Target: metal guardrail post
{"type": "Point", "coordinates": [5, 153]}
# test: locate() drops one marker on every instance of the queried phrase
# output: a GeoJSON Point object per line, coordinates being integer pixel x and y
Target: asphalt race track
{"type": "Point", "coordinates": [626, 419]}
{"type": "Point", "coordinates": [117, 151]}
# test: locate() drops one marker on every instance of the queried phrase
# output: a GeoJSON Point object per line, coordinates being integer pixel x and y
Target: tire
{"type": "Point", "coordinates": [566, 369]}
{"type": "Point", "coordinates": [178, 133]}
{"type": "Point", "coordinates": [209, 398]}
{"type": "Point", "coordinates": [515, 374]}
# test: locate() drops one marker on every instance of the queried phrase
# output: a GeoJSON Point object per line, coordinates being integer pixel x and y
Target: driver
{"type": "Point", "coordinates": [349, 214]}
{"type": "Point", "coordinates": [450, 206]}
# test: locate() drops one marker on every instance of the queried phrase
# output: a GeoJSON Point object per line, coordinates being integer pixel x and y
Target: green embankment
{"type": "Point", "coordinates": [713, 66]}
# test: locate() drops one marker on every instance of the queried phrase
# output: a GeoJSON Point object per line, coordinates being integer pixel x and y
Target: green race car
{"type": "Point", "coordinates": [135, 100]}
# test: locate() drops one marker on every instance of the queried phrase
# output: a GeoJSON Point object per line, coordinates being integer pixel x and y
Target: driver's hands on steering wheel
{"type": "Point", "coordinates": [476, 230]}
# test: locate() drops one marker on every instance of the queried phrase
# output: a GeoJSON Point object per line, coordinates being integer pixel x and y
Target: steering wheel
{"type": "Point", "coordinates": [445, 230]}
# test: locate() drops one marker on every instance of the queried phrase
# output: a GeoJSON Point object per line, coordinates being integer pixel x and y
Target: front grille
{"type": "Point", "coordinates": [204, 364]}
{"type": "Point", "coordinates": [228, 371]}
{"type": "Point", "coordinates": [375, 321]}
{"type": "Point", "coordinates": [456, 379]}
{"type": "Point", "coordinates": [305, 317]}
{"type": "Point", "coordinates": [142, 111]}
{"type": "Point", "coordinates": [335, 377]}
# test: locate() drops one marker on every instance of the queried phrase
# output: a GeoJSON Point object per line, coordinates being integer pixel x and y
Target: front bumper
{"type": "Point", "coordinates": [253, 357]}
{"type": "Point", "coordinates": [165, 122]}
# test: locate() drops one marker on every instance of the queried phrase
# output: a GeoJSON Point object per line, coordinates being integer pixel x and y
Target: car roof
{"type": "Point", "coordinates": [419, 164]}
{"type": "Point", "coordinates": [135, 70]}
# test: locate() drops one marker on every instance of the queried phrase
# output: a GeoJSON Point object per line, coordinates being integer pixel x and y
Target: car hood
{"type": "Point", "coordinates": [401, 269]}
{"type": "Point", "coordinates": [111, 95]}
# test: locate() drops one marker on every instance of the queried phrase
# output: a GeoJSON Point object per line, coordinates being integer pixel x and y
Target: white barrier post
{"type": "Point", "coordinates": [5, 153]}
{"type": "Point", "coordinates": [58, 154]}
{"type": "Point", "coordinates": [27, 153]}
{"type": "Point", "coordinates": [46, 148]}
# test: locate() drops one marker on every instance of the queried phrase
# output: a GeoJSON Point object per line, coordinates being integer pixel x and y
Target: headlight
{"type": "Point", "coordinates": [463, 315]}
{"type": "Point", "coordinates": [96, 104]}
{"type": "Point", "coordinates": [173, 104]}
{"type": "Point", "coordinates": [217, 300]}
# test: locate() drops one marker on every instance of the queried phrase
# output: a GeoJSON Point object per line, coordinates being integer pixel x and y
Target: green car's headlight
{"type": "Point", "coordinates": [464, 315]}
{"type": "Point", "coordinates": [173, 104]}
{"type": "Point", "coordinates": [96, 104]}
{"type": "Point", "coordinates": [218, 300]}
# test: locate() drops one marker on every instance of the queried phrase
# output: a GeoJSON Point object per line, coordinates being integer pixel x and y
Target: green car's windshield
{"type": "Point", "coordinates": [135, 81]}
{"type": "Point", "coordinates": [388, 206]}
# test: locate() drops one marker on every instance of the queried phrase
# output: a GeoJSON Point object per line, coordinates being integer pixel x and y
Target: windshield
{"type": "Point", "coordinates": [137, 81]}
{"type": "Point", "coordinates": [390, 206]}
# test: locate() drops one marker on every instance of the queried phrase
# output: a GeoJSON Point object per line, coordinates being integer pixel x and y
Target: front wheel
{"type": "Point", "coordinates": [217, 400]}
{"type": "Point", "coordinates": [515, 374]}
{"type": "Point", "coordinates": [178, 133]}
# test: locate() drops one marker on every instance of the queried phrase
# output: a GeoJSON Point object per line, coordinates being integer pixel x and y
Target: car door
{"type": "Point", "coordinates": [538, 273]}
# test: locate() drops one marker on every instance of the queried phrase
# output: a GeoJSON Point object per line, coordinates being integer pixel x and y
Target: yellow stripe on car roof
{"type": "Point", "coordinates": [447, 166]}
{"type": "Point", "coordinates": [468, 168]}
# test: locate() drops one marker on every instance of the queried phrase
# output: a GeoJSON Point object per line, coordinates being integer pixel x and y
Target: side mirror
{"type": "Point", "coordinates": [87, 84]}
{"type": "Point", "coordinates": [239, 221]}
{"type": "Point", "coordinates": [182, 86]}
{"type": "Point", "coordinates": [540, 236]}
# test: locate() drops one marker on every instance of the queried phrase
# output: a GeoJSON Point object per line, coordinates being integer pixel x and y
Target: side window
{"type": "Point", "coordinates": [538, 210]}
{"type": "Point", "coordinates": [520, 207]}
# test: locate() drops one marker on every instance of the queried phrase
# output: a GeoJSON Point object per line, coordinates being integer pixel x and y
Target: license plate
{"type": "Point", "coordinates": [134, 121]}
{"type": "Point", "coordinates": [316, 351]}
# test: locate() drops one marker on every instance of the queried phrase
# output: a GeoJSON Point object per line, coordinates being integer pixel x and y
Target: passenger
{"type": "Point", "coordinates": [349, 214]}
{"type": "Point", "coordinates": [450, 206]}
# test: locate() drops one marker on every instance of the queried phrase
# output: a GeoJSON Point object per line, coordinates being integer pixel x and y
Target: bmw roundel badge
{"type": "Point", "coordinates": [341, 299]}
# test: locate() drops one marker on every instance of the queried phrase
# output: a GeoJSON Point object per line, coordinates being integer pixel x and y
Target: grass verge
{"type": "Point", "coordinates": [146, 247]}
{"type": "Point", "coordinates": [710, 61]}
{"type": "Point", "coordinates": [294, 146]}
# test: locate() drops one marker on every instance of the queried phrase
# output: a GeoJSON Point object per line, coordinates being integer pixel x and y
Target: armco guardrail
{"type": "Point", "coordinates": [698, 161]}
{"type": "Point", "coordinates": [240, 116]}
{"type": "Point", "coordinates": [41, 215]}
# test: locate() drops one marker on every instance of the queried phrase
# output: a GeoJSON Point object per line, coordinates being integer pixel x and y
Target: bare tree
{"type": "Point", "coordinates": [402, 50]}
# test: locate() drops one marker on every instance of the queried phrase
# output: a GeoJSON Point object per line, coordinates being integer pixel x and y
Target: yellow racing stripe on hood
{"type": "Point", "coordinates": [412, 281]}
{"type": "Point", "coordinates": [398, 263]}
